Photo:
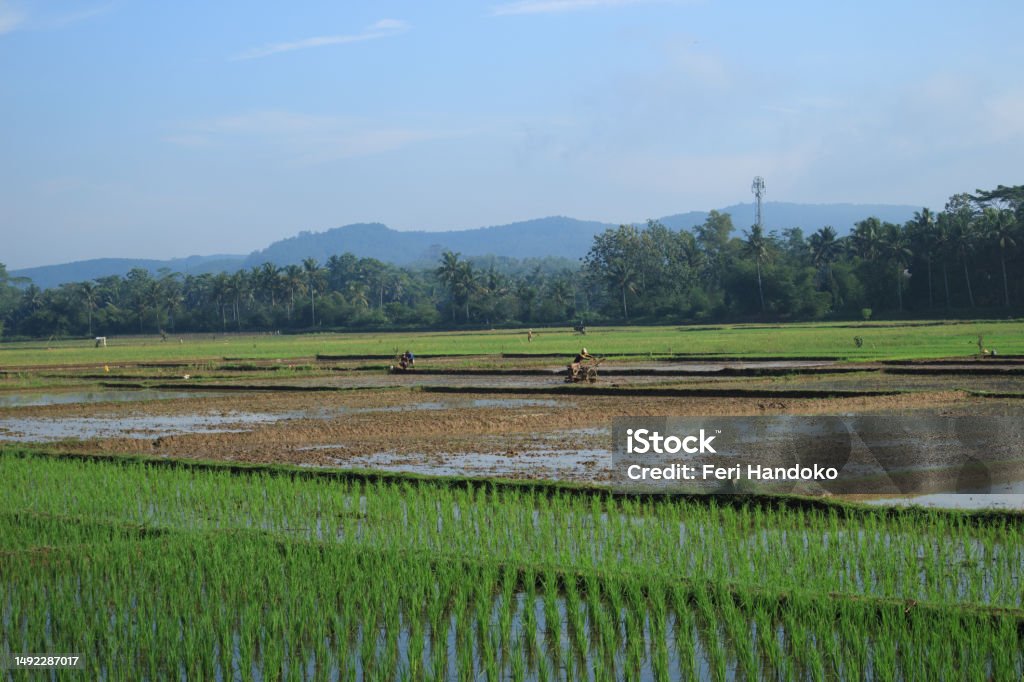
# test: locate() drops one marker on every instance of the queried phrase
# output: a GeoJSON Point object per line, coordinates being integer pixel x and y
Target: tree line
{"type": "Point", "coordinates": [958, 261]}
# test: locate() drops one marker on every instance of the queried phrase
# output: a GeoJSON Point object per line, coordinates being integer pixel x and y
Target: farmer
{"type": "Point", "coordinates": [578, 361]}
{"type": "Point", "coordinates": [408, 360]}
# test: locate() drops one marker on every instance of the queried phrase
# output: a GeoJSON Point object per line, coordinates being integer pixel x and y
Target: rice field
{"type": "Point", "coordinates": [879, 340]}
{"type": "Point", "coordinates": [160, 569]}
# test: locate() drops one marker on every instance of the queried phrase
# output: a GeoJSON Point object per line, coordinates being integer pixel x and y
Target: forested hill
{"type": "Point", "coordinates": [47, 276]}
{"type": "Point", "coordinates": [553, 236]}
{"type": "Point", "coordinates": [779, 215]}
{"type": "Point", "coordinates": [556, 236]}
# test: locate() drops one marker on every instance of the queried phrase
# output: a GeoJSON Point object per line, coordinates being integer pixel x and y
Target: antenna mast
{"type": "Point", "coordinates": [758, 189]}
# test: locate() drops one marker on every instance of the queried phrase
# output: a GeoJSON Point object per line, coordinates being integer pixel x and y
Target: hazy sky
{"type": "Point", "coordinates": [162, 129]}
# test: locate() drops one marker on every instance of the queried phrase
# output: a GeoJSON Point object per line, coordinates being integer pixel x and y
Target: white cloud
{"type": "Point", "coordinates": [10, 18]}
{"type": "Point", "coordinates": [384, 28]}
{"type": "Point", "coordinates": [13, 18]}
{"type": "Point", "coordinates": [551, 6]}
{"type": "Point", "coordinates": [62, 20]}
{"type": "Point", "coordinates": [303, 139]}
{"type": "Point", "coordinates": [1004, 116]}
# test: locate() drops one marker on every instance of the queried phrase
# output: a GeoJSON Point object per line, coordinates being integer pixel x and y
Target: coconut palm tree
{"type": "Point", "coordinates": [357, 294]}
{"type": "Point", "coordinates": [944, 247]}
{"type": "Point", "coordinates": [88, 294]}
{"type": "Point", "coordinates": [266, 281]}
{"type": "Point", "coordinates": [220, 292]}
{"type": "Point", "coordinates": [964, 234]}
{"type": "Point", "coordinates": [923, 228]}
{"type": "Point", "coordinates": [292, 283]}
{"type": "Point", "coordinates": [171, 296]}
{"type": "Point", "coordinates": [759, 247]}
{"type": "Point", "coordinates": [314, 275]}
{"type": "Point", "coordinates": [999, 225]}
{"type": "Point", "coordinates": [467, 283]}
{"type": "Point", "coordinates": [896, 248]}
{"type": "Point", "coordinates": [623, 273]}
{"type": "Point", "coordinates": [866, 238]}
{"type": "Point", "coordinates": [448, 273]}
{"type": "Point", "coordinates": [825, 248]}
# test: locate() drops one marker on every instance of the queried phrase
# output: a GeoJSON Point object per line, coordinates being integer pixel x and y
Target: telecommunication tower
{"type": "Point", "coordinates": [758, 189]}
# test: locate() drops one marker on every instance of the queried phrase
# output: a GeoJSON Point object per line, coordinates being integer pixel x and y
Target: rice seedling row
{"type": "Point", "coordinates": [152, 572]}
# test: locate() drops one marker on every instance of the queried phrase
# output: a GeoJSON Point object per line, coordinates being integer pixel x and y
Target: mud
{"type": "Point", "coordinates": [332, 427]}
{"type": "Point", "coordinates": [32, 399]}
{"type": "Point", "coordinates": [487, 422]}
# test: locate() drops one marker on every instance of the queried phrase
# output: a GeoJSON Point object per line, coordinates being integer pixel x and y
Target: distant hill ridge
{"type": "Point", "coordinates": [551, 236]}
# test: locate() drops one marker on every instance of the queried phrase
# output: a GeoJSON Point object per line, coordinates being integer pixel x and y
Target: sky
{"type": "Point", "coordinates": [159, 130]}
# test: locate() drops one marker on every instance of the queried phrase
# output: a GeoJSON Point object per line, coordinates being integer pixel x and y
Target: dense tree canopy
{"type": "Point", "coordinates": [965, 258]}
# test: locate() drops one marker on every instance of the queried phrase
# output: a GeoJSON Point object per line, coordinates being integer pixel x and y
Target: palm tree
{"type": "Point", "coordinates": [357, 294]}
{"type": "Point", "coordinates": [924, 225]}
{"type": "Point", "coordinates": [170, 295]}
{"type": "Point", "coordinates": [758, 246]}
{"type": "Point", "coordinates": [895, 246]}
{"type": "Point", "coordinates": [266, 279]}
{"type": "Point", "coordinates": [963, 239]}
{"type": "Point", "coordinates": [448, 273]}
{"type": "Point", "coordinates": [999, 226]}
{"type": "Point", "coordinates": [563, 292]}
{"type": "Point", "coordinates": [623, 275]}
{"type": "Point", "coordinates": [292, 283]}
{"type": "Point", "coordinates": [89, 296]}
{"type": "Point", "coordinates": [238, 286]}
{"type": "Point", "coordinates": [467, 283]}
{"type": "Point", "coordinates": [944, 246]}
{"type": "Point", "coordinates": [959, 208]}
{"type": "Point", "coordinates": [866, 238]}
{"type": "Point", "coordinates": [220, 291]}
{"type": "Point", "coordinates": [825, 249]}
{"type": "Point", "coordinates": [314, 275]}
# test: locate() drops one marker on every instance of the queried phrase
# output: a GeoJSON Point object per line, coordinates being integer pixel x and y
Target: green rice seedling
{"type": "Point", "coordinates": [509, 608]}
{"type": "Point", "coordinates": [1007, 651]}
{"type": "Point", "coordinates": [517, 663]}
{"type": "Point", "coordinates": [658, 617]}
{"type": "Point", "coordinates": [636, 634]}
{"type": "Point", "coordinates": [684, 623]}
{"type": "Point", "coordinates": [381, 548]}
{"type": "Point", "coordinates": [463, 633]}
{"type": "Point", "coordinates": [603, 626]}
{"type": "Point", "coordinates": [883, 648]}
{"type": "Point", "coordinates": [552, 618]}
{"type": "Point", "coordinates": [417, 641]}
{"type": "Point", "coordinates": [576, 620]}
{"type": "Point", "coordinates": [714, 642]}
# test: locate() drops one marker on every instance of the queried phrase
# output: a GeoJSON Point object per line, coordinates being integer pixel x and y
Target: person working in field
{"type": "Point", "coordinates": [581, 357]}
{"type": "Point", "coordinates": [408, 360]}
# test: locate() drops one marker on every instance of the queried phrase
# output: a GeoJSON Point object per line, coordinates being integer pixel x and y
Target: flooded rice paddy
{"type": "Point", "coordinates": [351, 416]}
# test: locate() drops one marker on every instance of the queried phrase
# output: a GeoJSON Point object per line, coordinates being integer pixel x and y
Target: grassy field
{"type": "Point", "coordinates": [159, 569]}
{"type": "Point", "coordinates": [880, 341]}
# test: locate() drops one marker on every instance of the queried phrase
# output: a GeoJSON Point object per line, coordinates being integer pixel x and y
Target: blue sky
{"type": "Point", "coordinates": [170, 129]}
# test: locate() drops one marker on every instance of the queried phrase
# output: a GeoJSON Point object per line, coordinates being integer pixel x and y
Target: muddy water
{"type": "Point", "coordinates": [547, 464]}
{"type": "Point", "coordinates": [390, 425]}
{"type": "Point", "coordinates": [29, 399]}
{"type": "Point", "coordinates": [43, 429]}
{"type": "Point", "coordinates": [1003, 496]}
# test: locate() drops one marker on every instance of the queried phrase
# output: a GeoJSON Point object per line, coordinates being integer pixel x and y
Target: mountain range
{"type": "Point", "coordinates": [552, 236]}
